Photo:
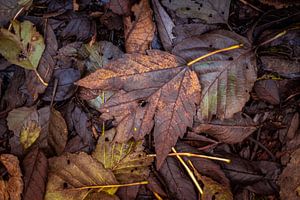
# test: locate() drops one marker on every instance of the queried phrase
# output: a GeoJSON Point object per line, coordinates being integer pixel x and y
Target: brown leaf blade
{"type": "Point", "coordinates": [35, 166]}
{"type": "Point", "coordinates": [13, 187]}
{"type": "Point", "coordinates": [140, 32]}
{"type": "Point", "coordinates": [156, 86]}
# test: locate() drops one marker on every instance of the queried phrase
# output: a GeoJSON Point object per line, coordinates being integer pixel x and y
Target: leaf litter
{"type": "Point", "coordinates": [202, 104]}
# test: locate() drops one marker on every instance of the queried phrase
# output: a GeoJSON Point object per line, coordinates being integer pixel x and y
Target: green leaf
{"type": "Point", "coordinates": [71, 171]}
{"type": "Point", "coordinates": [25, 48]}
{"type": "Point", "coordinates": [30, 134]}
{"type": "Point", "coordinates": [127, 160]}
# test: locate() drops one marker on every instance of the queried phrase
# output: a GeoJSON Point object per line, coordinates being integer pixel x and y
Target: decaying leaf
{"type": "Point", "coordinates": [267, 90]}
{"type": "Point", "coordinates": [9, 8]}
{"type": "Point", "coordinates": [155, 86]}
{"type": "Point", "coordinates": [71, 171]}
{"type": "Point", "coordinates": [120, 7]}
{"type": "Point", "coordinates": [25, 47]}
{"type": "Point", "coordinates": [230, 131]}
{"type": "Point", "coordinates": [127, 161]}
{"type": "Point", "coordinates": [140, 32]}
{"type": "Point", "coordinates": [211, 11]}
{"type": "Point", "coordinates": [29, 133]}
{"type": "Point", "coordinates": [12, 188]}
{"type": "Point", "coordinates": [35, 167]}
{"type": "Point", "coordinates": [289, 180]}
{"type": "Point", "coordinates": [226, 78]}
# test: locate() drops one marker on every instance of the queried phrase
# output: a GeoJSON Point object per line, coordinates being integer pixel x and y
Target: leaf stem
{"type": "Point", "coordinates": [191, 174]}
{"type": "Point", "coordinates": [195, 155]}
{"type": "Point", "coordinates": [213, 53]}
{"type": "Point", "coordinates": [274, 38]}
{"type": "Point", "coordinates": [110, 186]}
{"type": "Point", "coordinates": [40, 78]}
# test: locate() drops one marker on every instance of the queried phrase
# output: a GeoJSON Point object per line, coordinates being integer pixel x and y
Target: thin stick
{"type": "Point", "coordinates": [213, 53]}
{"type": "Point", "coordinates": [191, 174]}
{"type": "Point", "coordinates": [274, 38]}
{"type": "Point", "coordinates": [196, 155]}
{"type": "Point", "coordinates": [263, 147]}
{"type": "Point", "coordinates": [252, 6]}
{"type": "Point", "coordinates": [40, 78]}
{"type": "Point", "coordinates": [110, 186]}
{"type": "Point", "coordinates": [15, 17]}
{"type": "Point", "coordinates": [157, 196]}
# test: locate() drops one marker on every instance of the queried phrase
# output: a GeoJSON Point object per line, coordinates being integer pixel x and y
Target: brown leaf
{"type": "Point", "coordinates": [12, 188]}
{"type": "Point", "coordinates": [120, 7]}
{"type": "Point", "coordinates": [229, 131]}
{"type": "Point", "coordinates": [140, 32]}
{"type": "Point", "coordinates": [156, 86]}
{"type": "Point", "coordinates": [45, 67]}
{"type": "Point", "coordinates": [35, 166]}
{"type": "Point", "coordinates": [267, 90]}
{"type": "Point", "coordinates": [165, 25]}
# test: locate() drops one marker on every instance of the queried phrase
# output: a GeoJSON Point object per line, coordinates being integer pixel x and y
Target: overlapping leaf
{"type": "Point", "coordinates": [154, 88]}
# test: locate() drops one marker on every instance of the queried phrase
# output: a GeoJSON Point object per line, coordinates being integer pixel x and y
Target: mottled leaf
{"type": "Point", "coordinates": [9, 8]}
{"type": "Point", "coordinates": [25, 47]}
{"type": "Point", "coordinates": [120, 7]}
{"type": "Point", "coordinates": [29, 133]}
{"type": "Point", "coordinates": [12, 188]}
{"type": "Point", "coordinates": [126, 160]}
{"type": "Point", "coordinates": [140, 32]}
{"type": "Point", "coordinates": [211, 11]}
{"type": "Point", "coordinates": [35, 167]}
{"type": "Point", "coordinates": [156, 86]}
{"type": "Point", "coordinates": [267, 91]}
{"type": "Point", "coordinates": [71, 171]}
{"type": "Point", "coordinates": [226, 78]}
{"type": "Point", "coordinates": [165, 25]}
{"type": "Point", "coordinates": [231, 131]}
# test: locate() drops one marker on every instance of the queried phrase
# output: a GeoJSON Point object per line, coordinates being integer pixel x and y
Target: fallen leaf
{"type": "Point", "coordinates": [71, 171]}
{"type": "Point", "coordinates": [267, 91]}
{"type": "Point", "coordinates": [12, 188]}
{"type": "Point", "coordinates": [178, 183]}
{"type": "Point", "coordinates": [230, 131]}
{"type": "Point", "coordinates": [289, 179]}
{"type": "Point", "coordinates": [278, 4]}
{"type": "Point", "coordinates": [25, 47]}
{"type": "Point", "coordinates": [126, 160]}
{"type": "Point", "coordinates": [226, 78]}
{"type": "Point", "coordinates": [211, 11]}
{"type": "Point", "coordinates": [140, 32]}
{"type": "Point", "coordinates": [157, 86]}
{"type": "Point", "coordinates": [165, 25]}
{"type": "Point", "coordinates": [9, 8]}
{"type": "Point", "coordinates": [35, 167]}
{"type": "Point", "coordinates": [45, 67]}
{"type": "Point", "coordinates": [120, 7]}
{"type": "Point", "coordinates": [29, 133]}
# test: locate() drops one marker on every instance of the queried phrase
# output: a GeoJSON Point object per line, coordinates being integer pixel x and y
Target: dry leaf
{"type": "Point", "coordinates": [120, 7]}
{"type": "Point", "coordinates": [155, 86]}
{"type": "Point", "coordinates": [29, 134]}
{"type": "Point", "coordinates": [267, 90]}
{"type": "Point", "coordinates": [140, 32]}
{"type": "Point", "coordinates": [12, 188]}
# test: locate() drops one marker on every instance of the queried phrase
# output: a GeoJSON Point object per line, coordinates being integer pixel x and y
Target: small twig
{"type": "Point", "coordinates": [252, 6]}
{"type": "Point", "coordinates": [274, 38]}
{"type": "Point", "coordinates": [40, 78]}
{"type": "Point", "coordinates": [110, 186]}
{"type": "Point", "coordinates": [195, 155]}
{"type": "Point", "coordinates": [191, 174]}
{"type": "Point", "coordinates": [256, 145]}
{"type": "Point", "coordinates": [213, 53]}
{"type": "Point", "coordinates": [54, 91]}
{"type": "Point", "coordinates": [15, 17]}
{"type": "Point", "coordinates": [263, 147]}
{"type": "Point", "coordinates": [157, 196]}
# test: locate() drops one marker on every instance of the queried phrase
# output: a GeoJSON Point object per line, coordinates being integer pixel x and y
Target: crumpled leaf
{"type": "Point", "coordinates": [25, 47]}
{"type": "Point", "coordinates": [230, 131]}
{"type": "Point", "coordinates": [35, 166]}
{"type": "Point", "coordinates": [140, 32]}
{"type": "Point", "coordinates": [211, 11]}
{"type": "Point", "coordinates": [12, 188]}
{"type": "Point", "coordinates": [226, 78]}
{"type": "Point", "coordinates": [267, 90]}
{"type": "Point", "coordinates": [212, 189]}
{"type": "Point", "coordinates": [165, 25]}
{"type": "Point", "coordinates": [126, 160]}
{"type": "Point", "coordinates": [9, 8]}
{"type": "Point", "coordinates": [155, 86]}
{"type": "Point", "coordinates": [71, 171]}
{"type": "Point", "coordinates": [29, 134]}
{"type": "Point", "coordinates": [178, 183]}
{"type": "Point", "coordinates": [120, 7]}
{"type": "Point", "coordinates": [289, 179]}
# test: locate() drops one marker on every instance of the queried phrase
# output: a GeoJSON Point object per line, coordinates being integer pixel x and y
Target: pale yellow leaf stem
{"type": "Point", "coordinates": [110, 186]}
{"type": "Point", "coordinates": [40, 78]}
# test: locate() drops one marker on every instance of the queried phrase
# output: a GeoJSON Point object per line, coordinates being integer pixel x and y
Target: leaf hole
{"type": "Point", "coordinates": [140, 155]}
{"type": "Point", "coordinates": [210, 46]}
{"type": "Point", "coordinates": [201, 5]}
{"type": "Point", "coordinates": [65, 185]}
{"type": "Point", "coordinates": [101, 54]}
{"type": "Point", "coordinates": [142, 103]}
{"type": "Point", "coordinates": [210, 15]}
{"type": "Point", "coordinates": [199, 8]}
{"type": "Point", "coordinates": [230, 58]}
{"type": "Point", "coordinates": [246, 91]}
{"type": "Point", "coordinates": [131, 170]}
{"type": "Point", "coordinates": [106, 139]}
{"type": "Point", "coordinates": [222, 12]}
{"type": "Point", "coordinates": [109, 58]}
{"type": "Point", "coordinates": [68, 162]}
{"type": "Point", "coordinates": [187, 8]}
{"type": "Point", "coordinates": [247, 67]}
